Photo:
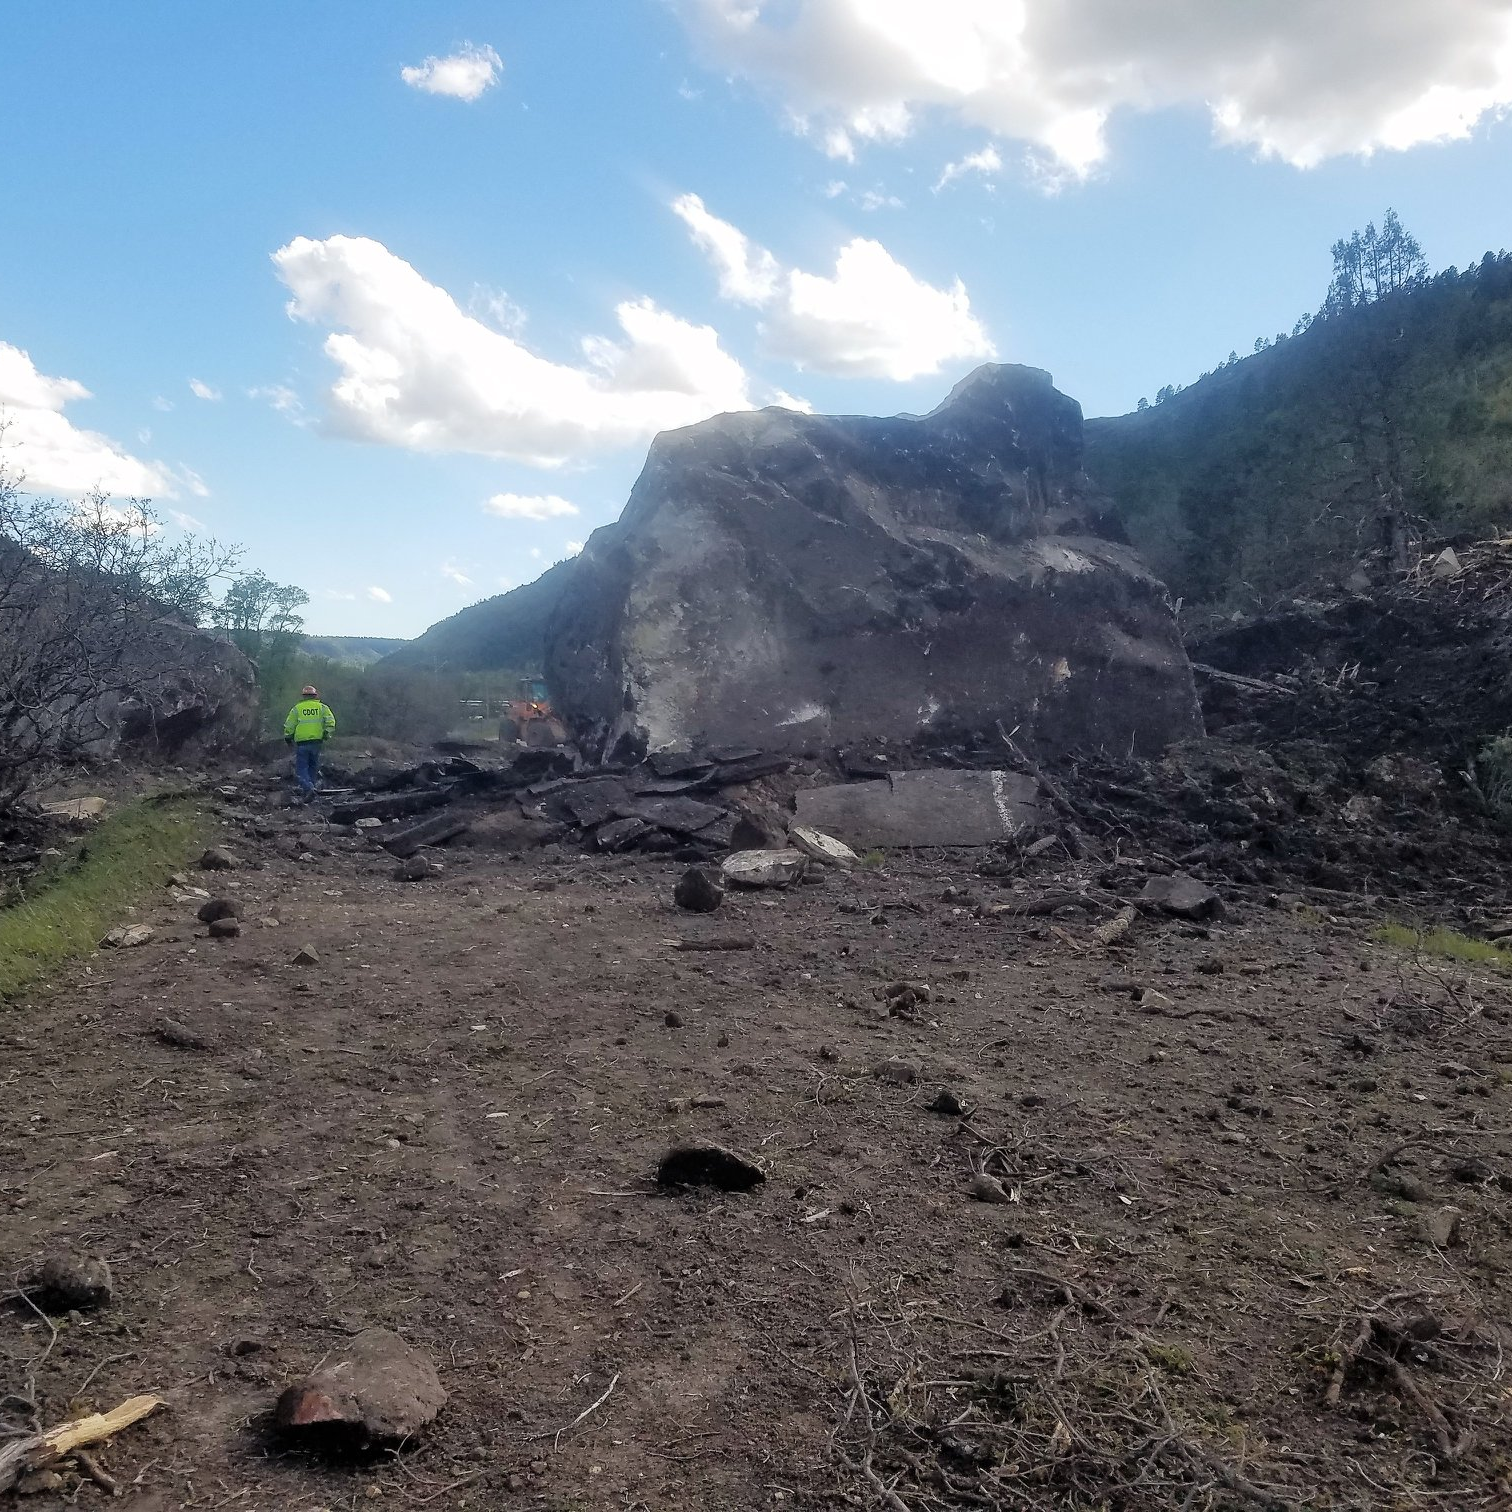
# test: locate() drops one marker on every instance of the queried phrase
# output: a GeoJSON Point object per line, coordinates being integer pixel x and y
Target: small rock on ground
{"type": "Point", "coordinates": [225, 929]}
{"type": "Point", "coordinates": [947, 1103]}
{"type": "Point", "coordinates": [218, 908]}
{"type": "Point", "coordinates": [218, 858]}
{"type": "Point", "coordinates": [896, 1069]}
{"type": "Point", "coordinates": [375, 1387]}
{"type": "Point", "coordinates": [986, 1188]}
{"type": "Point", "coordinates": [305, 956]}
{"type": "Point", "coordinates": [67, 1282]}
{"type": "Point", "coordinates": [1183, 896]}
{"type": "Point", "coordinates": [697, 891]}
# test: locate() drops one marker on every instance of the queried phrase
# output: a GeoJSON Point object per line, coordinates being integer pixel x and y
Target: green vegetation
{"type": "Point", "coordinates": [65, 910]}
{"type": "Point", "coordinates": [1446, 943]}
{"type": "Point", "coordinates": [1493, 776]}
{"type": "Point", "coordinates": [1389, 413]}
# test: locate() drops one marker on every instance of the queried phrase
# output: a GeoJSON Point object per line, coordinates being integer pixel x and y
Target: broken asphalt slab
{"type": "Point", "coordinates": [924, 808]}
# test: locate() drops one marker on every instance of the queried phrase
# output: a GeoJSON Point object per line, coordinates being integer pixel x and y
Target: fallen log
{"type": "Point", "coordinates": [35, 1451]}
{"type": "Point", "coordinates": [1234, 680]}
{"type": "Point", "coordinates": [435, 831]}
{"type": "Point", "coordinates": [395, 806]}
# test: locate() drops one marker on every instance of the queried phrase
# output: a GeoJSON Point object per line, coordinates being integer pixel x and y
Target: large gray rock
{"type": "Point", "coordinates": [789, 581]}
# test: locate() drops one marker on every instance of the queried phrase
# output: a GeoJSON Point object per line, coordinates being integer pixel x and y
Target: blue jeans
{"type": "Point", "coordinates": [307, 764]}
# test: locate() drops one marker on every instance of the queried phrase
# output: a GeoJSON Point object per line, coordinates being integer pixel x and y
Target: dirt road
{"type": "Point", "coordinates": [449, 1123]}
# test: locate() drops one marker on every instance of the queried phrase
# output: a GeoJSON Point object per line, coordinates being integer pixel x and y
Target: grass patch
{"type": "Point", "coordinates": [67, 907]}
{"type": "Point", "coordinates": [1448, 943]}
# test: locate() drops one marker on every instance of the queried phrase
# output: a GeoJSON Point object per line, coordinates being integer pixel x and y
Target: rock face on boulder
{"type": "Point", "coordinates": [796, 581]}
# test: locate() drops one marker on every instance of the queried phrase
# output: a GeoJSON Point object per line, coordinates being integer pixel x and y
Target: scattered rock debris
{"type": "Point", "coordinates": [697, 891]}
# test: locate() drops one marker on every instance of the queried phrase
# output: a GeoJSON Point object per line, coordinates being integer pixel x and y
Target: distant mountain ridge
{"type": "Point", "coordinates": [352, 650]}
{"type": "Point", "coordinates": [506, 631]}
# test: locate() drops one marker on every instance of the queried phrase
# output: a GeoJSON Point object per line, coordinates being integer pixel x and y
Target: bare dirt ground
{"type": "Point", "coordinates": [1224, 1277]}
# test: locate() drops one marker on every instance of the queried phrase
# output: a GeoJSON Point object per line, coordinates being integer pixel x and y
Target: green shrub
{"type": "Point", "coordinates": [1493, 775]}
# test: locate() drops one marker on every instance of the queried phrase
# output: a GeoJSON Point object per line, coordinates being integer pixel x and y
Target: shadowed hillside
{"type": "Point", "coordinates": [1391, 417]}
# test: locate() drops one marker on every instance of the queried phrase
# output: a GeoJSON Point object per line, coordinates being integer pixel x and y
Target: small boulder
{"type": "Point", "coordinates": [824, 849]}
{"type": "Point", "coordinates": [1443, 1228]}
{"type": "Point", "coordinates": [758, 827]}
{"type": "Point", "coordinates": [218, 858]}
{"type": "Point", "coordinates": [306, 956]}
{"type": "Point", "coordinates": [703, 1163]}
{"type": "Point", "coordinates": [65, 1283]}
{"type": "Point", "coordinates": [760, 868]}
{"type": "Point", "coordinates": [225, 929]}
{"type": "Point", "coordinates": [375, 1388]}
{"type": "Point", "coordinates": [697, 891]}
{"type": "Point", "coordinates": [904, 1072]}
{"type": "Point", "coordinates": [948, 1104]}
{"type": "Point", "coordinates": [1182, 896]}
{"type": "Point", "coordinates": [218, 908]}
{"type": "Point", "coordinates": [416, 869]}
{"type": "Point", "coordinates": [986, 1188]}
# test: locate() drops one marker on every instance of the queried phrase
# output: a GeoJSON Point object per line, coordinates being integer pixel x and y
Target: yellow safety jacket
{"type": "Point", "coordinates": [309, 719]}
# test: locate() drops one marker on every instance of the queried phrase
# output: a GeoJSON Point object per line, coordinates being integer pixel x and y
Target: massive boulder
{"type": "Point", "coordinates": [795, 581]}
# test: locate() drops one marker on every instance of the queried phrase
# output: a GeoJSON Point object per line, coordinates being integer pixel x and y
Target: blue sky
{"type": "Point", "coordinates": [729, 201]}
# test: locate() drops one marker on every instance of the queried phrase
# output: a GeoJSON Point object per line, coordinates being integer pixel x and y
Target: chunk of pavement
{"type": "Point", "coordinates": [763, 868]}
{"type": "Point", "coordinates": [697, 891]}
{"type": "Point", "coordinates": [225, 929]}
{"type": "Point", "coordinates": [1183, 896]}
{"type": "Point", "coordinates": [305, 956]}
{"type": "Point", "coordinates": [703, 1163]}
{"type": "Point", "coordinates": [218, 858]}
{"type": "Point", "coordinates": [126, 937]}
{"type": "Point", "coordinates": [80, 810]}
{"type": "Point", "coordinates": [924, 808]}
{"type": "Point", "coordinates": [985, 1188]}
{"type": "Point", "coordinates": [620, 834]}
{"type": "Point", "coordinates": [1443, 1227]}
{"type": "Point", "coordinates": [896, 1069]}
{"type": "Point", "coordinates": [824, 849]}
{"type": "Point", "coordinates": [66, 1282]}
{"type": "Point", "coordinates": [416, 869]}
{"type": "Point", "coordinates": [218, 908]}
{"type": "Point", "coordinates": [375, 1387]}
{"type": "Point", "coordinates": [948, 1104]}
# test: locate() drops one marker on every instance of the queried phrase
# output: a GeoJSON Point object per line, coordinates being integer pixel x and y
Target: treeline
{"type": "Point", "coordinates": [1387, 414]}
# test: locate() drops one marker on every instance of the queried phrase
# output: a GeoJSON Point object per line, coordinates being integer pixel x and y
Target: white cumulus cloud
{"type": "Point", "coordinates": [987, 162]}
{"type": "Point", "coordinates": [449, 569]}
{"type": "Point", "coordinates": [1304, 81]}
{"type": "Point", "coordinates": [463, 75]}
{"type": "Point", "coordinates": [572, 547]}
{"type": "Point", "coordinates": [872, 318]}
{"type": "Point", "coordinates": [53, 455]}
{"type": "Point", "coordinates": [380, 595]}
{"type": "Point", "coordinates": [202, 390]}
{"type": "Point", "coordinates": [416, 371]}
{"type": "Point", "coordinates": [747, 273]}
{"type": "Point", "coordinates": [510, 506]}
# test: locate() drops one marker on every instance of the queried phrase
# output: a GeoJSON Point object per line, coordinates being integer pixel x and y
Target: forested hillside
{"type": "Point", "coordinates": [1387, 415]}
